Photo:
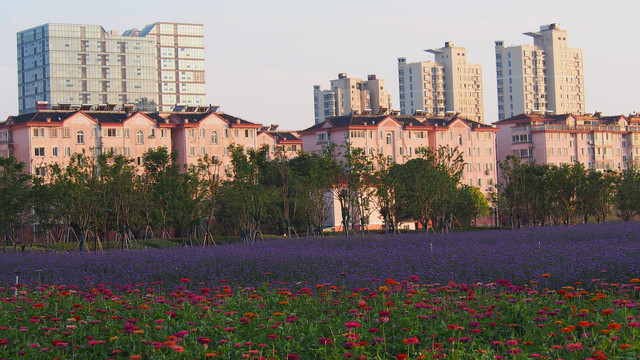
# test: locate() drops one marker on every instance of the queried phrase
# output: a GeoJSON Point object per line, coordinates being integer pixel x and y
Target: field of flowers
{"type": "Point", "coordinates": [551, 293]}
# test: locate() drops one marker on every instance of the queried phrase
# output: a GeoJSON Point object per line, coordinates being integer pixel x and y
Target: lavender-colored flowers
{"type": "Point", "coordinates": [608, 252]}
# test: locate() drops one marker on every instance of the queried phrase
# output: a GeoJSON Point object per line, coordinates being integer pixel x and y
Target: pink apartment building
{"type": "Point", "coordinates": [398, 137]}
{"type": "Point", "coordinates": [52, 136]}
{"type": "Point", "coordinates": [599, 142]}
{"type": "Point", "coordinates": [210, 134]}
{"type": "Point", "coordinates": [286, 142]}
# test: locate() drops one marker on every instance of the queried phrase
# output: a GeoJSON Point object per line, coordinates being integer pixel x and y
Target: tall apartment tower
{"type": "Point", "coordinates": [350, 95]}
{"type": "Point", "coordinates": [545, 76]}
{"type": "Point", "coordinates": [449, 84]}
{"type": "Point", "coordinates": [83, 64]}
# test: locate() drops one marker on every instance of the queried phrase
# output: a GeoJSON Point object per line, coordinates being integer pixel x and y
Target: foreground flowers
{"type": "Point", "coordinates": [407, 320]}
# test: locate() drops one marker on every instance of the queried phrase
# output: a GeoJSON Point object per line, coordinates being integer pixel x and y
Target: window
{"type": "Point", "coordinates": [214, 137]}
{"type": "Point", "coordinates": [127, 133]}
{"type": "Point", "coordinates": [40, 171]}
{"type": "Point", "coordinates": [202, 133]}
{"type": "Point", "coordinates": [192, 133]}
{"type": "Point", "coordinates": [356, 134]}
{"type": "Point", "coordinates": [226, 133]}
{"type": "Point", "coordinates": [203, 150]}
{"type": "Point", "coordinates": [80, 137]}
{"type": "Point", "coordinates": [67, 151]}
{"type": "Point", "coordinates": [111, 132]}
{"type": "Point", "coordinates": [66, 132]}
{"type": "Point", "coordinates": [38, 132]}
{"type": "Point", "coordinates": [322, 137]}
{"type": "Point", "coordinates": [53, 133]}
{"type": "Point", "coordinates": [139, 137]}
{"type": "Point", "coordinates": [389, 139]}
{"type": "Point", "coordinates": [460, 140]}
{"type": "Point", "coordinates": [39, 151]}
{"type": "Point", "coordinates": [192, 151]}
{"type": "Point", "coordinates": [54, 152]}
{"type": "Point", "coordinates": [164, 133]}
{"type": "Point", "coordinates": [236, 133]}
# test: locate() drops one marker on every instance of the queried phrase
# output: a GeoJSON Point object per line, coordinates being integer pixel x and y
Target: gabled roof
{"type": "Point", "coordinates": [282, 135]}
{"type": "Point", "coordinates": [350, 120]}
{"type": "Point", "coordinates": [42, 116]}
{"type": "Point", "coordinates": [236, 120]}
{"type": "Point", "coordinates": [189, 118]}
{"type": "Point", "coordinates": [117, 117]}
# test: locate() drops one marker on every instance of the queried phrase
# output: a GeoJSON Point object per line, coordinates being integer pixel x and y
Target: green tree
{"type": "Point", "coordinates": [627, 194]}
{"type": "Point", "coordinates": [470, 204]}
{"type": "Point", "coordinates": [248, 187]}
{"type": "Point", "coordinates": [315, 175]}
{"type": "Point", "coordinates": [15, 198]}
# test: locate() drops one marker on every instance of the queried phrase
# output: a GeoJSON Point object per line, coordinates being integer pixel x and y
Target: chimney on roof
{"type": "Point", "coordinates": [448, 44]}
{"type": "Point", "coordinates": [342, 75]}
{"type": "Point", "coordinates": [273, 127]}
{"type": "Point", "coordinates": [237, 121]}
{"type": "Point", "coordinates": [371, 77]}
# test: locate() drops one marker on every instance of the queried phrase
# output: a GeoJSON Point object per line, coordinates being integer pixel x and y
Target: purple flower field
{"type": "Point", "coordinates": [609, 252]}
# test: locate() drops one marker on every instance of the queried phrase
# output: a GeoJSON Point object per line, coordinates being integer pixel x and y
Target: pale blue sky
{"type": "Point", "coordinates": [263, 58]}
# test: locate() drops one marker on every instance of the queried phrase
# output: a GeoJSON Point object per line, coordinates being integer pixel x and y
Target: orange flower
{"type": "Point", "coordinates": [546, 275]}
{"type": "Point", "coordinates": [625, 346]}
{"type": "Point", "coordinates": [614, 326]}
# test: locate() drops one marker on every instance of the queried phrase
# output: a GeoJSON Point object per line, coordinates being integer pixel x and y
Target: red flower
{"type": "Point", "coordinates": [412, 340]}
{"type": "Point", "coordinates": [185, 280]}
{"type": "Point", "coordinates": [401, 357]}
{"type": "Point", "coordinates": [204, 340]}
{"type": "Point", "coordinates": [292, 357]}
{"type": "Point", "coordinates": [574, 347]}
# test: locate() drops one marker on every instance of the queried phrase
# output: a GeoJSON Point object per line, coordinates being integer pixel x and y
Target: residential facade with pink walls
{"type": "Point", "coordinates": [398, 137]}
{"type": "Point", "coordinates": [53, 136]}
{"type": "Point", "coordinates": [598, 142]}
{"type": "Point", "coordinates": [280, 143]}
{"type": "Point", "coordinates": [210, 134]}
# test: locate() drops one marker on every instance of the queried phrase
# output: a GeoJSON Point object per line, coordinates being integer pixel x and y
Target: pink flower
{"type": "Point", "coordinates": [574, 347]}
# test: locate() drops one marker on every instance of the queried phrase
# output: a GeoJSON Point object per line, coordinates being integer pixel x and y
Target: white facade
{"type": "Point", "coordinates": [545, 76]}
{"type": "Point", "coordinates": [350, 95]}
{"type": "Point", "coordinates": [449, 84]}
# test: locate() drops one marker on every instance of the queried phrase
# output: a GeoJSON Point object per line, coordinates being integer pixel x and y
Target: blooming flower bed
{"type": "Point", "coordinates": [554, 293]}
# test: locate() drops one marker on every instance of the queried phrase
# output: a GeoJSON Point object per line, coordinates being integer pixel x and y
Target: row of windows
{"type": "Point", "coordinates": [248, 133]}
{"type": "Point", "coordinates": [361, 134]}
{"type": "Point", "coordinates": [39, 132]}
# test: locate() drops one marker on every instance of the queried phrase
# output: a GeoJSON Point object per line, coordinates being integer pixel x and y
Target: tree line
{"type": "Point", "coordinates": [108, 197]}
{"type": "Point", "coordinates": [532, 194]}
